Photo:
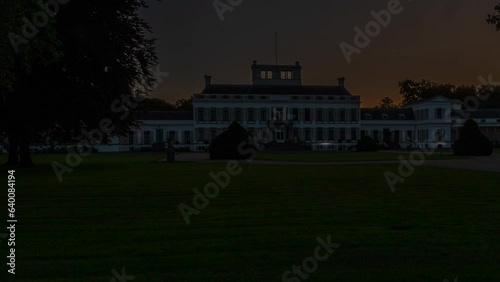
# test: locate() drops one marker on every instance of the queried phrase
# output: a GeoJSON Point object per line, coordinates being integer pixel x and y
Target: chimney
{"type": "Point", "coordinates": [208, 81]}
{"type": "Point", "coordinates": [342, 81]}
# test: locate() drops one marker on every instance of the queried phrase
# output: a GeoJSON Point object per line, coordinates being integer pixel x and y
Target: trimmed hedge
{"type": "Point", "coordinates": [472, 142]}
{"type": "Point", "coordinates": [367, 144]}
{"type": "Point", "coordinates": [225, 146]}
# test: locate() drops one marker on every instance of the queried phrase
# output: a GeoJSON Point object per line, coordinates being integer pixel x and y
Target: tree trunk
{"type": "Point", "coordinates": [24, 152]}
{"type": "Point", "coordinates": [13, 149]}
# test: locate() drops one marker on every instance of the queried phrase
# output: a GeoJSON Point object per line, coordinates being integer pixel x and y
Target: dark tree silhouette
{"type": "Point", "coordinates": [495, 18]}
{"type": "Point", "coordinates": [103, 65]}
{"type": "Point", "coordinates": [412, 91]}
{"type": "Point", "coordinates": [386, 103]}
{"type": "Point", "coordinates": [472, 142]}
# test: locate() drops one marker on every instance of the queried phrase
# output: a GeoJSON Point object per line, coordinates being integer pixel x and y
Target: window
{"type": "Point", "coordinates": [307, 115]}
{"type": "Point", "coordinates": [342, 115]}
{"type": "Point", "coordinates": [263, 115]}
{"type": "Point", "coordinates": [296, 133]}
{"type": "Point", "coordinates": [213, 133]}
{"type": "Point", "coordinates": [250, 97]}
{"type": "Point", "coordinates": [385, 116]}
{"type": "Point", "coordinates": [213, 114]}
{"type": "Point", "coordinates": [402, 116]}
{"type": "Point", "coordinates": [251, 115]}
{"type": "Point", "coordinates": [237, 114]}
{"type": "Point", "coordinates": [307, 134]}
{"type": "Point", "coordinates": [342, 134]}
{"type": "Point", "coordinates": [237, 97]}
{"type": "Point", "coordinates": [368, 116]}
{"type": "Point", "coordinates": [131, 139]}
{"type": "Point", "coordinates": [331, 115]}
{"type": "Point", "coordinates": [354, 134]}
{"type": "Point", "coordinates": [331, 134]}
{"type": "Point", "coordinates": [354, 115]}
{"type": "Point", "coordinates": [375, 135]}
{"type": "Point", "coordinates": [147, 137]}
{"type": "Point", "coordinates": [225, 114]}
{"type": "Point", "coordinates": [319, 134]}
{"type": "Point", "coordinates": [201, 134]}
{"type": "Point", "coordinates": [213, 97]}
{"type": "Point", "coordinates": [159, 136]}
{"type": "Point", "coordinates": [266, 74]}
{"type": "Point", "coordinates": [201, 114]}
{"type": "Point", "coordinates": [225, 97]}
{"type": "Point", "coordinates": [409, 135]}
{"type": "Point", "coordinates": [439, 113]}
{"type": "Point", "coordinates": [263, 97]}
{"type": "Point", "coordinates": [295, 114]}
{"type": "Point", "coordinates": [319, 115]}
{"type": "Point", "coordinates": [187, 137]}
{"type": "Point", "coordinates": [295, 97]}
{"type": "Point", "coordinates": [307, 97]}
{"type": "Point", "coordinates": [483, 120]}
{"type": "Point", "coordinates": [286, 74]}
{"type": "Point", "coordinates": [319, 98]}
{"type": "Point", "coordinates": [331, 98]}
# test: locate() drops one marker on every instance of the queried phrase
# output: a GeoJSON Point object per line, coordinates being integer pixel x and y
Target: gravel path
{"type": "Point", "coordinates": [490, 163]}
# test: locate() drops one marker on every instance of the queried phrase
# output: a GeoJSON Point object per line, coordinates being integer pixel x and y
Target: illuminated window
{"type": "Point", "coordinates": [286, 75]}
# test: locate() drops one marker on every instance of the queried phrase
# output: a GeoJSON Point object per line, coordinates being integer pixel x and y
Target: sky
{"type": "Point", "coordinates": [445, 41]}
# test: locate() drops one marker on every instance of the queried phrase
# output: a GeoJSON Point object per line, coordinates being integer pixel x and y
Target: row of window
{"type": "Point", "coordinates": [268, 74]}
{"type": "Point", "coordinates": [266, 97]}
{"type": "Point", "coordinates": [422, 135]}
{"type": "Point", "coordinates": [424, 114]}
{"type": "Point", "coordinates": [305, 134]}
{"type": "Point", "coordinates": [160, 137]}
{"type": "Point", "coordinates": [282, 114]}
{"type": "Point", "coordinates": [385, 116]}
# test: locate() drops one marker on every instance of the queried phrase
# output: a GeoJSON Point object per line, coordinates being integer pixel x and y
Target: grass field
{"type": "Point", "coordinates": [116, 211]}
{"type": "Point", "coordinates": [346, 156]}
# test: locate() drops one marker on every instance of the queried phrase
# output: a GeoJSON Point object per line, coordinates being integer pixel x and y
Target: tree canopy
{"type": "Point", "coordinates": [101, 66]}
{"type": "Point", "coordinates": [386, 103]}
{"type": "Point", "coordinates": [412, 91]}
{"type": "Point", "coordinates": [495, 18]}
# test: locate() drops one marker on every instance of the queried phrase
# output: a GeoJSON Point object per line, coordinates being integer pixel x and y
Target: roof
{"type": "Point", "coordinates": [453, 101]}
{"type": "Point", "coordinates": [180, 115]}
{"type": "Point", "coordinates": [392, 113]}
{"type": "Point", "coordinates": [276, 89]}
{"type": "Point", "coordinates": [485, 113]}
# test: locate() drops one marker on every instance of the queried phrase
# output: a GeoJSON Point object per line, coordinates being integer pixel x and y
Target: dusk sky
{"type": "Point", "coordinates": [445, 41]}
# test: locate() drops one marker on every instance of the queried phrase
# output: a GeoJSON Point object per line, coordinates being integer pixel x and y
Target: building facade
{"type": "Point", "coordinates": [276, 107]}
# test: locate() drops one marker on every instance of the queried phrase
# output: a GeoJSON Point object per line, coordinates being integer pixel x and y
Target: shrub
{"type": "Point", "coordinates": [472, 142]}
{"type": "Point", "coordinates": [225, 146]}
{"type": "Point", "coordinates": [367, 144]}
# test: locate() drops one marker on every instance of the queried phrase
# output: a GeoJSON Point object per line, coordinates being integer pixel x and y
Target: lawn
{"type": "Point", "coordinates": [346, 156]}
{"type": "Point", "coordinates": [116, 211]}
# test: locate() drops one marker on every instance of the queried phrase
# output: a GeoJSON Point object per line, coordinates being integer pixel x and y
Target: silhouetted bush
{"type": "Point", "coordinates": [225, 146]}
{"type": "Point", "coordinates": [472, 142]}
{"type": "Point", "coordinates": [367, 144]}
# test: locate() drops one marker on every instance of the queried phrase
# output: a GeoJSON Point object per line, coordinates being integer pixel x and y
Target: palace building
{"type": "Point", "coordinates": [326, 117]}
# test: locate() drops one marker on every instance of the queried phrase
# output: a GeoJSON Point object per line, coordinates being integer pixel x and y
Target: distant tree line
{"type": "Point", "coordinates": [412, 91]}
{"type": "Point", "coordinates": [155, 104]}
